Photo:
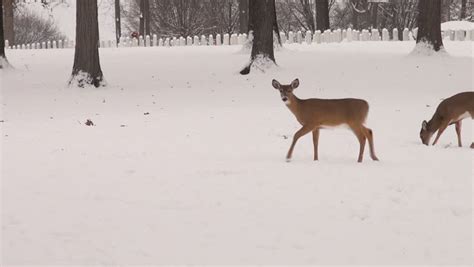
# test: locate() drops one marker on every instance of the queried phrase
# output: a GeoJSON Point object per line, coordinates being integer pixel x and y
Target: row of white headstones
{"type": "Point", "coordinates": [317, 37]}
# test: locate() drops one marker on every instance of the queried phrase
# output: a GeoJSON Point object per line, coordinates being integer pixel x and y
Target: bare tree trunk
{"type": "Point", "coordinates": [9, 32]}
{"type": "Point", "coordinates": [3, 58]}
{"type": "Point", "coordinates": [463, 10]}
{"type": "Point", "coordinates": [446, 10]}
{"type": "Point", "coordinates": [355, 19]}
{"type": "Point", "coordinates": [118, 27]}
{"type": "Point", "coordinates": [2, 35]}
{"type": "Point", "coordinates": [383, 21]}
{"type": "Point", "coordinates": [86, 69]}
{"type": "Point", "coordinates": [141, 30]}
{"type": "Point", "coordinates": [244, 16]}
{"type": "Point", "coordinates": [374, 15]}
{"type": "Point", "coordinates": [276, 30]}
{"type": "Point", "coordinates": [252, 17]}
{"type": "Point", "coordinates": [229, 14]}
{"type": "Point", "coordinates": [449, 14]}
{"type": "Point", "coordinates": [322, 15]}
{"type": "Point", "coordinates": [429, 23]}
{"type": "Point", "coordinates": [307, 12]}
{"type": "Point", "coordinates": [262, 17]}
{"type": "Point", "coordinates": [147, 17]}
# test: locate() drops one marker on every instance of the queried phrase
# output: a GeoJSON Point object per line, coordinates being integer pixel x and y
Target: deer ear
{"type": "Point", "coordinates": [276, 84]}
{"type": "Point", "coordinates": [295, 84]}
{"type": "Point", "coordinates": [424, 125]}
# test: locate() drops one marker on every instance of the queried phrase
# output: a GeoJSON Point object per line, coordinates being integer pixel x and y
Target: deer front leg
{"type": "Point", "coordinates": [458, 132]}
{"type": "Point", "coordinates": [315, 142]}
{"type": "Point", "coordinates": [304, 130]}
{"type": "Point", "coordinates": [441, 129]}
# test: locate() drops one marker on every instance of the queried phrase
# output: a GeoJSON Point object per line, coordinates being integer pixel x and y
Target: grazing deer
{"type": "Point", "coordinates": [314, 114]}
{"type": "Point", "coordinates": [450, 111]}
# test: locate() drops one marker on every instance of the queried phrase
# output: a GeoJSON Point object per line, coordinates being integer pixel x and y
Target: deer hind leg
{"type": "Point", "coordinates": [370, 136]}
{"type": "Point", "coordinates": [315, 142]}
{"type": "Point", "coordinates": [472, 144]}
{"type": "Point", "coordinates": [441, 129]}
{"type": "Point", "coordinates": [458, 132]}
{"type": "Point", "coordinates": [362, 139]}
{"type": "Point", "coordinates": [304, 130]}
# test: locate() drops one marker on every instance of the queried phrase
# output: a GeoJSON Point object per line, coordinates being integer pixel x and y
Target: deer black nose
{"type": "Point", "coordinates": [284, 98]}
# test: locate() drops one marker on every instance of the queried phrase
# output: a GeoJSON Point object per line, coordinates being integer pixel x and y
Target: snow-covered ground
{"type": "Point", "coordinates": [185, 163]}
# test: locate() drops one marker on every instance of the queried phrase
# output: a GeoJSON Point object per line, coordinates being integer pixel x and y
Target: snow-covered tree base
{"type": "Point", "coordinates": [4, 63]}
{"type": "Point", "coordinates": [261, 63]}
{"type": "Point", "coordinates": [84, 79]}
{"type": "Point", "coordinates": [427, 49]}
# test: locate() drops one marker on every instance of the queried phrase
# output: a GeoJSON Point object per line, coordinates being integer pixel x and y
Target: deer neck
{"type": "Point", "coordinates": [434, 124]}
{"type": "Point", "coordinates": [293, 105]}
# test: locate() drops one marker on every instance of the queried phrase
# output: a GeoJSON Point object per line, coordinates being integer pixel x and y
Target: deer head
{"type": "Point", "coordinates": [286, 91]}
{"type": "Point", "coordinates": [425, 133]}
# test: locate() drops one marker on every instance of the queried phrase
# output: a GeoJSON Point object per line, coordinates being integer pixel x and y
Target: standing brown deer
{"type": "Point", "coordinates": [452, 110]}
{"type": "Point", "coordinates": [314, 114]}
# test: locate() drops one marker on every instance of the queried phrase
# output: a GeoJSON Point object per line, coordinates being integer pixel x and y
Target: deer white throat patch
{"type": "Point", "coordinates": [463, 116]}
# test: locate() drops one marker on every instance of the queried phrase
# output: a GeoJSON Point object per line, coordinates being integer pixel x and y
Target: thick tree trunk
{"type": "Point", "coordinates": [118, 26]}
{"type": "Point", "coordinates": [463, 10]}
{"type": "Point", "coordinates": [3, 58]}
{"type": "Point", "coordinates": [322, 15]}
{"type": "Point", "coordinates": [244, 16]}
{"type": "Point", "coordinates": [8, 27]}
{"type": "Point", "coordinates": [429, 24]}
{"type": "Point", "coordinates": [262, 20]}
{"type": "Point", "coordinates": [86, 69]}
